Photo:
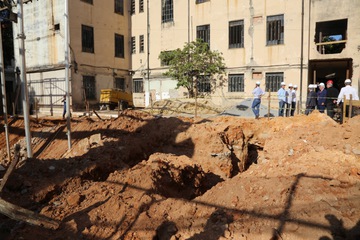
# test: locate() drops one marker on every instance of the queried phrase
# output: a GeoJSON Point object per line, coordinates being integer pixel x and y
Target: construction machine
{"type": "Point", "coordinates": [112, 98]}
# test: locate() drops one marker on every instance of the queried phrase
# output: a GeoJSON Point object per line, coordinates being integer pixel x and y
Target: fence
{"type": "Point", "coordinates": [351, 103]}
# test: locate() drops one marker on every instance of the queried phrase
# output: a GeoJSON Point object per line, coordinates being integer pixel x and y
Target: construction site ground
{"type": "Point", "coordinates": [159, 177]}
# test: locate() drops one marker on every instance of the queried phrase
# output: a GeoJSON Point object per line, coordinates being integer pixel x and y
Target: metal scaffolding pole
{"type": "Point", "coordinates": [3, 89]}
{"type": "Point", "coordinates": [67, 68]}
{"type": "Point", "coordinates": [148, 54]}
{"type": "Point", "coordinates": [25, 100]}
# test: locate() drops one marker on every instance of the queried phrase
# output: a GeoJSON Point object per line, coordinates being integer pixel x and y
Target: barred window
{"type": "Point", "coordinates": [201, 1]}
{"type": "Point", "coordinates": [132, 7]}
{"type": "Point", "coordinates": [203, 32]}
{"type": "Point", "coordinates": [204, 84]}
{"type": "Point", "coordinates": [133, 45]}
{"type": "Point", "coordinates": [119, 83]}
{"type": "Point", "coordinates": [273, 81]}
{"type": "Point", "coordinates": [236, 34]}
{"type": "Point", "coordinates": [275, 30]}
{"type": "Point", "coordinates": [141, 43]}
{"type": "Point", "coordinates": [119, 7]}
{"type": "Point", "coordinates": [236, 83]}
{"type": "Point", "coordinates": [88, 1]}
{"type": "Point", "coordinates": [141, 5]}
{"type": "Point", "coordinates": [167, 11]}
{"type": "Point", "coordinates": [89, 87]}
{"type": "Point", "coordinates": [119, 46]}
{"type": "Point", "coordinates": [138, 85]}
{"type": "Point", "coordinates": [87, 38]}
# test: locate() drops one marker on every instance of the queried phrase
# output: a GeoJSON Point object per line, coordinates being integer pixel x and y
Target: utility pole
{"type": "Point", "coordinates": [301, 51]}
{"type": "Point", "coordinates": [67, 67]}
{"type": "Point", "coordinates": [21, 37]}
{"type": "Point", "coordinates": [3, 89]}
{"type": "Point", "coordinates": [148, 53]}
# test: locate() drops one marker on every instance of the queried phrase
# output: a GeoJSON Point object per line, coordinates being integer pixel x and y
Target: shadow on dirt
{"type": "Point", "coordinates": [339, 232]}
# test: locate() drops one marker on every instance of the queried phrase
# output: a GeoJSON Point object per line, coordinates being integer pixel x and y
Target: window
{"type": "Point", "coordinates": [203, 32]}
{"type": "Point", "coordinates": [330, 36]}
{"type": "Point", "coordinates": [141, 43]}
{"type": "Point", "coordinates": [138, 85]}
{"type": "Point", "coordinates": [119, 7]}
{"type": "Point", "coordinates": [133, 45]}
{"type": "Point", "coordinates": [273, 81]}
{"type": "Point", "coordinates": [236, 34]}
{"type": "Point", "coordinates": [132, 7]}
{"type": "Point", "coordinates": [88, 1]}
{"type": "Point", "coordinates": [57, 27]}
{"type": "Point", "coordinates": [119, 83]}
{"type": "Point", "coordinates": [119, 46]}
{"type": "Point", "coordinates": [141, 5]}
{"type": "Point", "coordinates": [275, 30]}
{"type": "Point", "coordinates": [87, 38]}
{"type": "Point", "coordinates": [203, 84]}
{"type": "Point", "coordinates": [236, 83]}
{"type": "Point", "coordinates": [167, 12]}
{"type": "Point", "coordinates": [89, 87]}
{"type": "Point", "coordinates": [201, 1]}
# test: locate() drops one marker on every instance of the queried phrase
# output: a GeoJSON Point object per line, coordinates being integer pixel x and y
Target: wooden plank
{"type": "Point", "coordinates": [355, 103]}
{"type": "Point", "coordinates": [344, 110]}
{"type": "Point", "coordinates": [21, 214]}
{"type": "Point", "coordinates": [97, 115]}
{"type": "Point", "coordinates": [11, 166]}
{"type": "Point", "coordinates": [332, 42]}
{"type": "Point", "coordinates": [350, 106]}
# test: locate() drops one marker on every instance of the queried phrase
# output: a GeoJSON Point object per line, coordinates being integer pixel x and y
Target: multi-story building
{"type": "Point", "coordinates": [299, 42]}
{"type": "Point", "coordinates": [99, 50]}
{"type": "Point", "coordinates": [117, 43]}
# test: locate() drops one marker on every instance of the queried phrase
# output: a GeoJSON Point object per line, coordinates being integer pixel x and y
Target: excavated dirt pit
{"type": "Point", "coordinates": [145, 177]}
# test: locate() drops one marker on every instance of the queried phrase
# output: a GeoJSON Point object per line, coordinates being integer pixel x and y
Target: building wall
{"type": "Point", "coordinates": [45, 47]}
{"type": "Point", "coordinates": [102, 63]}
{"type": "Point", "coordinates": [256, 58]}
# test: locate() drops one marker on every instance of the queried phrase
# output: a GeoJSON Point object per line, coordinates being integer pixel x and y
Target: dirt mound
{"type": "Point", "coordinates": [145, 177]}
{"type": "Point", "coordinates": [178, 107]}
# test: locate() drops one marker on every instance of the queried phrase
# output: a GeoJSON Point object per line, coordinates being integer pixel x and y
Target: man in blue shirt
{"type": "Point", "coordinates": [282, 96]}
{"type": "Point", "coordinates": [257, 92]}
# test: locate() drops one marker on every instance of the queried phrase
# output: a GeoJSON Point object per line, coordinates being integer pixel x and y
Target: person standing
{"type": "Point", "coordinates": [258, 93]}
{"type": "Point", "coordinates": [289, 99]}
{"type": "Point", "coordinates": [282, 98]}
{"type": "Point", "coordinates": [331, 96]}
{"type": "Point", "coordinates": [311, 99]}
{"type": "Point", "coordinates": [64, 101]}
{"type": "Point", "coordinates": [321, 98]}
{"type": "Point", "coordinates": [346, 91]}
{"type": "Point", "coordinates": [293, 103]}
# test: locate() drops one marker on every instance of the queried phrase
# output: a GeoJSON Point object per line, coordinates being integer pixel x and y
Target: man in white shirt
{"type": "Point", "coordinates": [258, 93]}
{"type": "Point", "coordinates": [346, 91]}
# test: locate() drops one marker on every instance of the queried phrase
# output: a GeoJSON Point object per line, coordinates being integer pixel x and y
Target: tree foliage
{"type": "Point", "coordinates": [195, 60]}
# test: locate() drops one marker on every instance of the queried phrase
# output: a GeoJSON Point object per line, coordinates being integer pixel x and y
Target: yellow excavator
{"type": "Point", "coordinates": [112, 98]}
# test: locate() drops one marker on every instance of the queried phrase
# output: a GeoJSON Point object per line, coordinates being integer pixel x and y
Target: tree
{"type": "Point", "coordinates": [189, 64]}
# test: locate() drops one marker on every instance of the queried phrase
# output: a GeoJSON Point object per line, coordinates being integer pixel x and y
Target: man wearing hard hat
{"type": "Point", "coordinates": [331, 96]}
{"type": "Point", "coordinates": [282, 96]}
{"type": "Point", "coordinates": [258, 93]}
{"type": "Point", "coordinates": [321, 98]}
{"type": "Point", "coordinates": [311, 99]}
{"type": "Point", "coordinates": [346, 91]}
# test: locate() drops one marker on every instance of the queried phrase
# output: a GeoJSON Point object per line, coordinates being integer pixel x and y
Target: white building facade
{"type": "Point", "coordinates": [299, 42]}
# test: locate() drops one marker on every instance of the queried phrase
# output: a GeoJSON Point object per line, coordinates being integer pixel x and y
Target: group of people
{"type": "Point", "coordinates": [319, 98]}
{"type": "Point", "coordinates": [287, 99]}
{"type": "Point", "coordinates": [329, 98]}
